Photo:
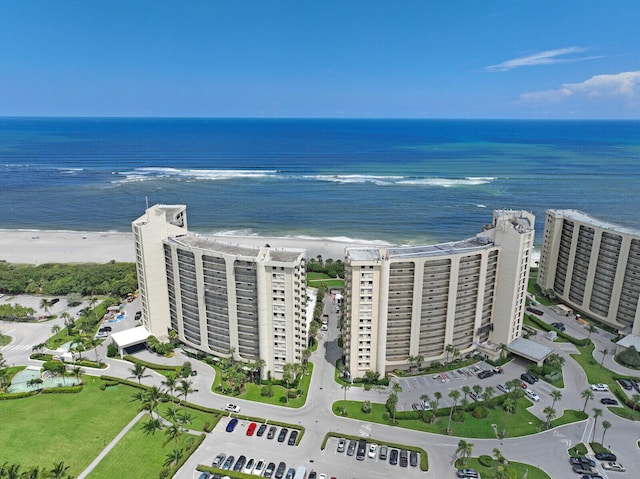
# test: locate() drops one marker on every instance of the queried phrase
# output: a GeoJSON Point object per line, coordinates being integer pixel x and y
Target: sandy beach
{"type": "Point", "coordinates": [38, 247]}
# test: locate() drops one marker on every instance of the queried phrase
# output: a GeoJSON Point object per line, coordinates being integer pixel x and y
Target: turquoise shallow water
{"type": "Point", "coordinates": [395, 180]}
{"type": "Point", "coordinates": [20, 380]}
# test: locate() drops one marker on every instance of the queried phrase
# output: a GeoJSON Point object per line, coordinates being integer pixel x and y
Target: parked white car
{"type": "Point", "coordinates": [613, 466]}
{"type": "Point", "coordinates": [372, 450]}
{"type": "Point", "coordinates": [531, 394]}
{"type": "Point", "coordinates": [599, 387]}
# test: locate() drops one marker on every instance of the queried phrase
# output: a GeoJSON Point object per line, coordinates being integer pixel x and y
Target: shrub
{"type": "Point", "coordinates": [458, 416]}
{"type": "Point", "coordinates": [485, 460]}
{"type": "Point", "coordinates": [366, 407]}
{"type": "Point", "coordinates": [629, 357]}
{"type": "Point", "coordinates": [266, 391]}
{"type": "Point", "coordinates": [112, 350]}
{"type": "Point", "coordinates": [480, 412]}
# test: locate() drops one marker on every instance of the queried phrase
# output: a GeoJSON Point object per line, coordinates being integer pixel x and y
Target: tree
{"type": "Point", "coordinates": [592, 329]}
{"type": "Point", "coordinates": [259, 364]}
{"type": "Point", "coordinates": [391, 403]}
{"type": "Point", "coordinates": [184, 388]}
{"type": "Point", "coordinates": [636, 399]}
{"type": "Point", "coordinates": [35, 383]}
{"type": "Point", "coordinates": [171, 382]}
{"type": "Point", "coordinates": [92, 304]}
{"type": "Point", "coordinates": [497, 454]}
{"type": "Point", "coordinates": [153, 396]}
{"type": "Point", "coordinates": [55, 329]}
{"type": "Point", "coordinates": [346, 386]}
{"type": "Point", "coordinates": [173, 457]}
{"type": "Point", "coordinates": [77, 371]}
{"type": "Point", "coordinates": [68, 321]}
{"type": "Point", "coordinates": [419, 359]}
{"type": "Point", "coordinates": [396, 389]}
{"type": "Point", "coordinates": [556, 395]}
{"type": "Point", "coordinates": [58, 471]}
{"type": "Point", "coordinates": [449, 349]}
{"type": "Point", "coordinates": [466, 390]}
{"type": "Point", "coordinates": [605, 425]}
{"type": "Point", "coordinates": [604, 352]}
{"type": "Point", "coordinates": [173, 433]}
{"type": "Point", "coordinates": [371, 377]}
{"type": "Point", "coordinates": [45, 305]}
{"type": "Point", "coordinates": [33, 473]}
{"type": "Point", "coordinates": [464, 450]}
{"type": "Point", "coordinates": [549, 413]}
{"type": "Point", "coordinates": [151, 426]}
{"type": "Point", "coordinates": [287, 377]}
{"type": "Point", "coordinates": [509, 406]}
{"type": "Point", "coordinates": [437, 395]}
{"type": "Point", "coordinates": [455, 395]}
{"type": "Point", "coordinates": [597, 412]}
{"type": "Point", "coordinates": [489, 392]}
{"type": "Point", "coordinates": [138, 372]}
{"type": "Point", "coordinates": [477, 389]}
{"type": "Point", "coordinates": [587, 395]}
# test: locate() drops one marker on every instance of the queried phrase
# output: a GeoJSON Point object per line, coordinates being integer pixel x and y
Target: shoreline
{"type": "Point", "coordinates": [33, 246]}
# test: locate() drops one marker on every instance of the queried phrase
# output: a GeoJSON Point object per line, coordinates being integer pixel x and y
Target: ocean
{"type": "Point", "coordinates": [401, 181]}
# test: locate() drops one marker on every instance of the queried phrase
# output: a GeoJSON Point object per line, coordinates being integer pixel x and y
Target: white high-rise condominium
{"type": "Point", "coordinates": [220, 298]}
{"type": "Point", "coordinates": [593, 266]}
{"type": "Point", "coordinates": [428, 301]}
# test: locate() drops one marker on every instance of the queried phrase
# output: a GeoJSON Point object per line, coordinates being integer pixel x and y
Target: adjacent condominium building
{"type": "Point", "coordinates": [427, 301]}
{"type": "Point", "coordinates": [593, 266]}
{"type": "Point", "coordinates": [220, 298]}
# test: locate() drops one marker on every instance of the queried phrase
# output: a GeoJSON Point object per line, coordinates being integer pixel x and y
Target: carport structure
{"type": "Point", "coordinates": [129, 337]}
{"type": "Point", "coordinates": [530, 350]}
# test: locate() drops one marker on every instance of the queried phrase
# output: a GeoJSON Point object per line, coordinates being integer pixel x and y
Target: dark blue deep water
{"type": "Point", "coordinates": [395, 180]}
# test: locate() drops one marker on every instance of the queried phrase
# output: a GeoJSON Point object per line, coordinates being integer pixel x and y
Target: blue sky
{"type": "Point", "coordinates": [369, 59]}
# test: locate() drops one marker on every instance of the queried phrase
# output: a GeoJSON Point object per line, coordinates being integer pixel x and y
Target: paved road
{"type": "Point", "coordinates": [546, 449]}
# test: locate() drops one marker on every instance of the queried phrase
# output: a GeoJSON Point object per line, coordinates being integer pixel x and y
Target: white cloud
{"type": "Point", "coordinates": [548, 57]}
{"type": "Point", "coordinates": [624, 85]}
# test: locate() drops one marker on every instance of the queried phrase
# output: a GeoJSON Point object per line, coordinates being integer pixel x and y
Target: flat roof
{"type": "Point", "coordinates": [630, 340]}
{"type": "Point", "coordinates": [394, 252]}
{"type": "Point", "coordinates": [582, 217]}
{"type": "Point", "coordinates": [130, 337]}
{"type": "Point", "coordinates": [530, 349]}
{"type": "Point", "coordinates": [213, 245]}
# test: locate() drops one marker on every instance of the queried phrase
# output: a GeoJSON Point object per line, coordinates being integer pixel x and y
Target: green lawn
{"type": "Point", "coordinates": [252, 393]}
{"type": "Point", "coordinates": [315, 279]}
{"type": "Point", "coordinates": [137, 455]}
{"type": "Point", "coordinates": [4, 339]}
{"type": "Point", "coordinates": [74, 428]}
{"type": "Point", "coordinates": [520, 424]}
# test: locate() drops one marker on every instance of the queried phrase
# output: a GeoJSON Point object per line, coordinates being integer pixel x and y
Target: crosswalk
{"type": "Point", "coordinates": [17, 347]}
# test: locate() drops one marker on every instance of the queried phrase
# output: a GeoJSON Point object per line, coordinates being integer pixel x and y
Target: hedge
{"type": "Point", "coordinates": [146, 364]}
{"type": "Point", "coordinates": [424, 459]}
{"type": "Point", "coordinates": [196, 444]}
{"type": "Point", "coordinates": [561, 334]}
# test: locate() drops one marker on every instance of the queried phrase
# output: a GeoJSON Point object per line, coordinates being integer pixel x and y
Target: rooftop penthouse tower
{"type": "Point", "coordinates": [593, 266]}
{"type": "Point", "coordinates": [221, 298]}
{"type": "Point", "coordinates": [428, 301]}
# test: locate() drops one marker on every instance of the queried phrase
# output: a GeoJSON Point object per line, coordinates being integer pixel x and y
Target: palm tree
{"type": "Point", "coordinates": [466, 390]}
{"type": "Point", "coordinates": [35, 383]}
{"type": "Point", "coordinates": [259, 364]}
{"type": "Point", "coordinates": [173, 457]}
{"type": "Point", "coordinates": [68, 321]}
{"type": "Point", "coordinates": [153, 396]}
{"type": "Point", "coordinates": [556, 395]}
{"type": "Point", "coordinates": [449, 349]}
{"type": "Point", "coordinates": [345, 386]}
{"type": "Point", "coordinates": [287, 376]}
{"type": "Point", "coordinates": [184, 388]}
{"type": "Point", "coordinates": [489, 392]}
{"type": "Point", "coordinates": [151, 426]}
{"type": "Point", "coordinates": [13, 471]}
{"type": "Point", "coordinates": [55, 329]}
{"type": "Point", "coordinates": [33, 473]}
{"type": "Point", "coordinates": [92, 304]}
{"type": "Point", "coordinates": [464, 450]}
{"type": "Point", "coordinates": [549, 413]}
{"type": "Point", "coordinates": [419, 360]}
{"type": "Point", "coordinates": [77, 371]}
{"type": "Point", "coordinates": [45, 305]}
{"type": "Point", "coordinates": [171, 382]}
{"type": "Point", "coordinates": [391, 404]}
{"type": "Point", "coordinates": [138, 371]}
{"type": "Point", "coordinates": [455, 395]}
{"type": "Point", "coordinates": [605, 425]}
{"type": "Point", "coordinates": [587, 395]}
{"type": "Point", "coordinates": [604, 352]}
{"type": "Point", "coordinates": [597, 412]}
{"type": "Point", "coordinates": [477, 389]}
{"type": "Point", "coordinates": [58, 471]}
{"type": "Point", "coordinates": [591, 328]}
{"type": "Point", "coordinates": [509, 406]}
{"type": "Point", "coordinates": [173, 433]}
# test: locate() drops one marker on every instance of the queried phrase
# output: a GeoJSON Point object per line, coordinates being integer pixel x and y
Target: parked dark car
{"type": "Point", "coordinates": [205, 475]}
{"type": "Point", "coordinates": [393, 457]}
{"type": "Point", "coordinates": [413, 458]}
{"type": "Point", "coordinates": [268, 472]}
{"type": "Point", "coordinates": [261, 430]}
{"type": "Point", "coordinates": [272, 432]}
{"type": "Point", "coordinates": [529, 378]}
{"type": "Point", "coordinates": [606, 456]}
{"type": "Point", "coordinates": [138, 315]}
{"type": "Point", "coordinates": [362, 449]}
{"type": "Point", "coordinates": [283, 434]}
{"type": "Point", "coordinates": [625, 383]}
{"type": "Point", "coordinates": [559, 326]}
{"type": "Point", "coordinates": [404, 458]}
{"type": "Point", "coordinates": [582, 469]}
{"type": "Point", "coordinates": [292, 438]}
{"type": "Point", "coordinates": [240, 463]}
{"type": "Point", "coordinates": [228, 463]}
{"type": "Point", "coordinates": [487, 373]}
{"type": "Point", "coordinates": [537, 311]}
{"type": "Point", "coordinates": [280, 470]}
{"type": "Point", "coordinates": [351, 449]}
{"type": "Point", "coordinates": [582, 460]}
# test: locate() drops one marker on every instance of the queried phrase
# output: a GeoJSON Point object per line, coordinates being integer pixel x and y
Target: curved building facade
{"type": "Point", "coordinates": [593, 266]}
{"type": "Point", "coordinates": [222, 299]}
{"type": "Point", "coordinates": [427, 301]}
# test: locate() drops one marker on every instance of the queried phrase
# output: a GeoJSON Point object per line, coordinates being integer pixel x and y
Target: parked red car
{"type": "Point", "coordinates": [251, 429]}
